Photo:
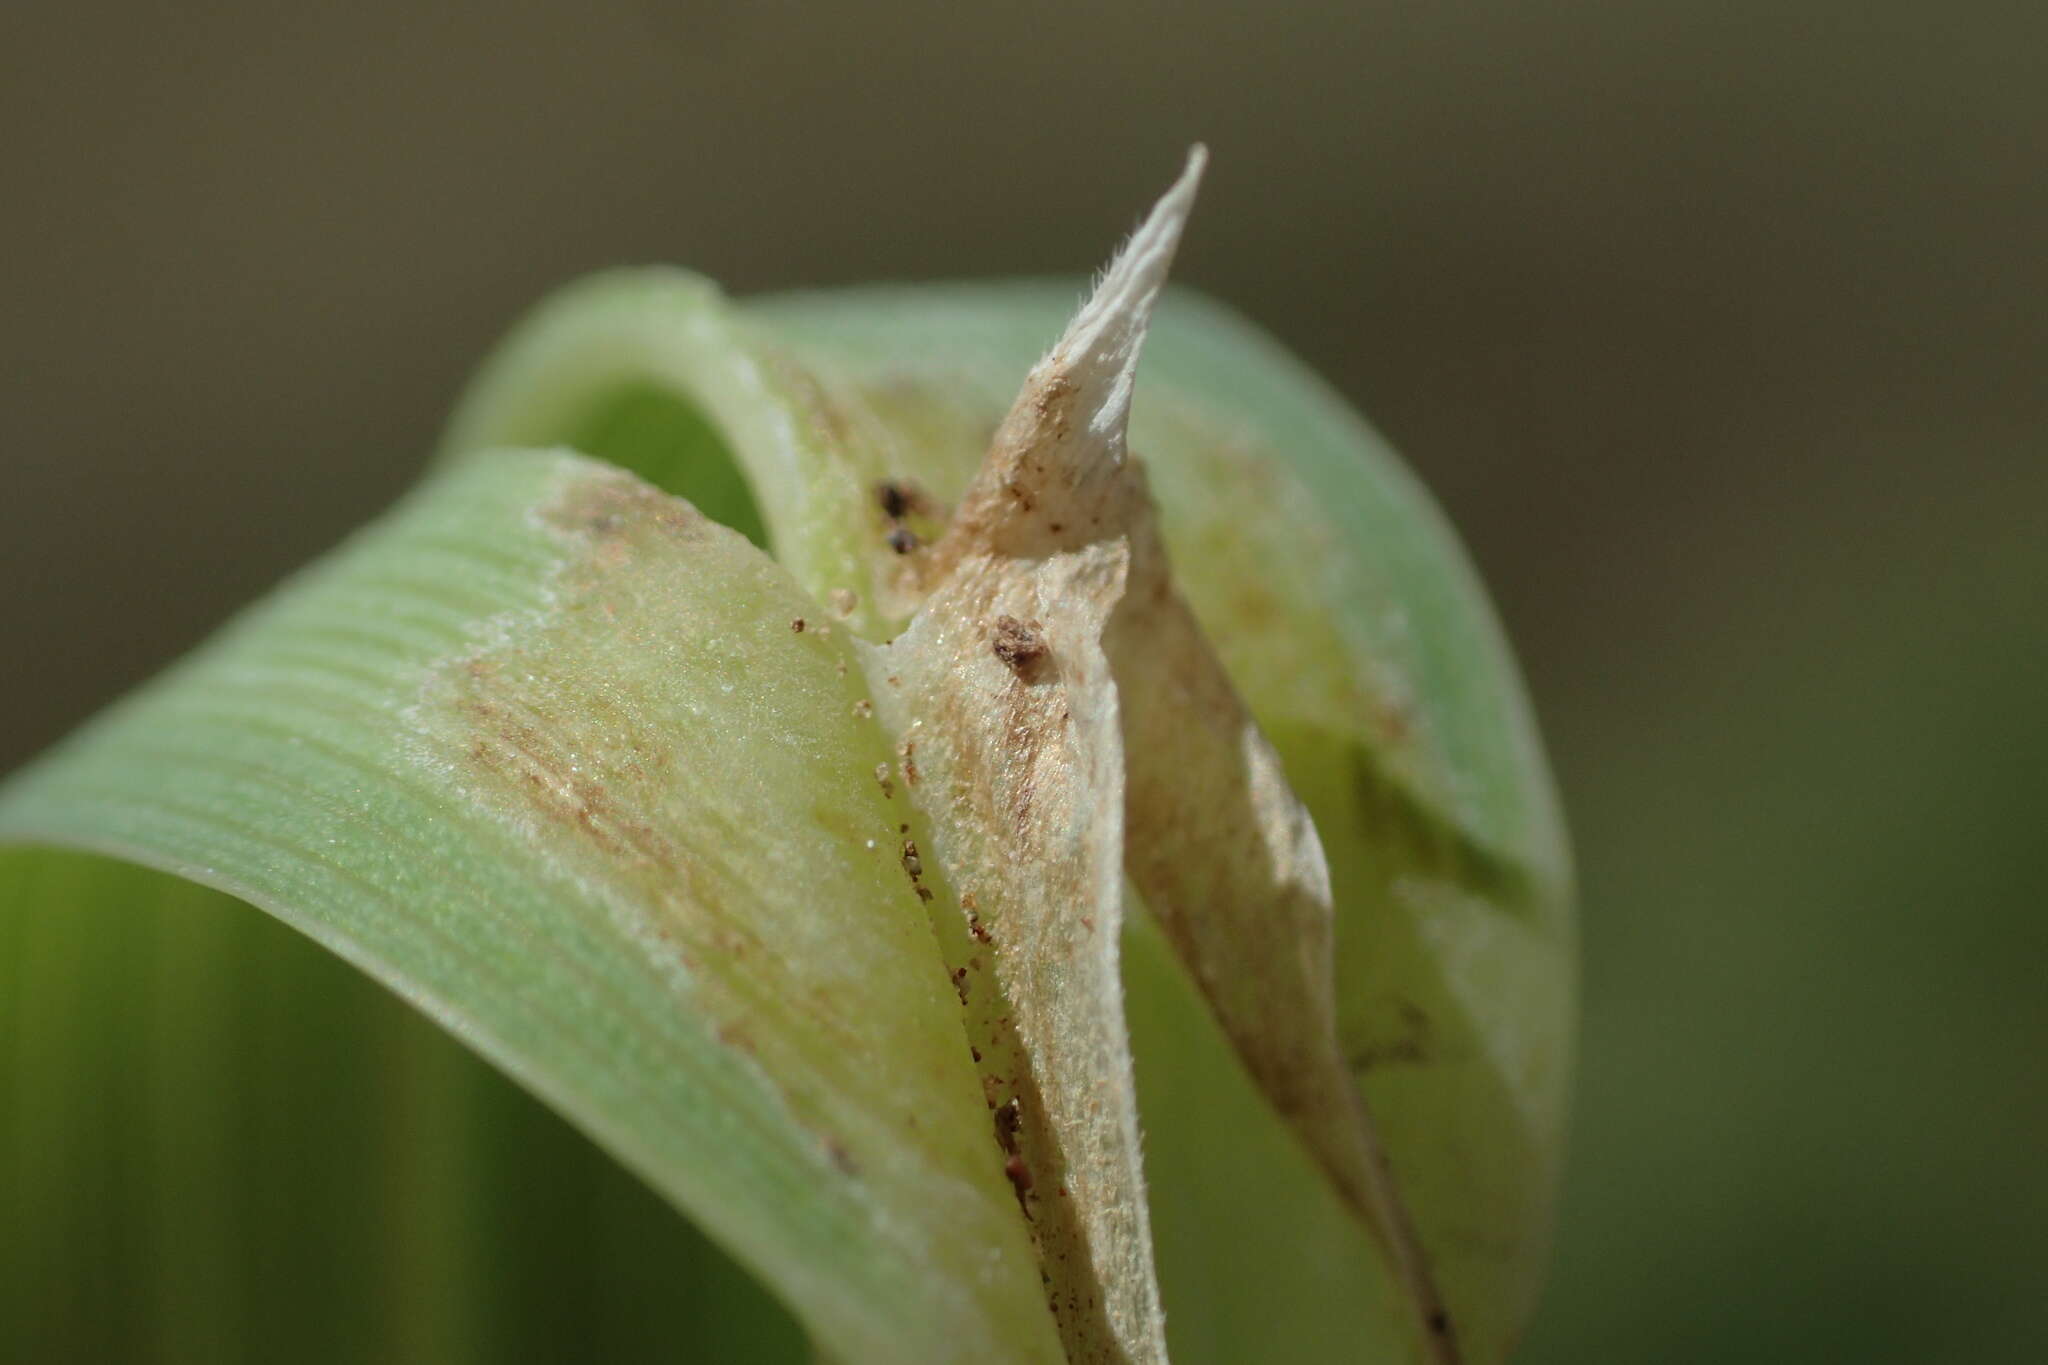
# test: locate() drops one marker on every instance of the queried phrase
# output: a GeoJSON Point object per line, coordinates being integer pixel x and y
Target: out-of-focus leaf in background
{"type": "Point", "coordinates": [224, 1137]}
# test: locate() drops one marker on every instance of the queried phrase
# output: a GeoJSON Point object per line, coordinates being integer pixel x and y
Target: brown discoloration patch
{"type": "Point", "coordinates": [571, 726]}
{"type": "Point", "coordinates": [882, 781]}
{"type": "Point", "coordinates": [607, 513]}
{"type": "Point", "coordinates": [796, 627]}
{"type": "Point", "coordinates": [516, 744]}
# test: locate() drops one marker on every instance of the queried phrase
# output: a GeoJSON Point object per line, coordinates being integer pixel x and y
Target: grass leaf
{"type": "Point", "coordinates": [543, 752]}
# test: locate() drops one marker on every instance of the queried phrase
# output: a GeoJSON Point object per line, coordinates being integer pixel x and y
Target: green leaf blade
{"type": "Point", "coordinates": [772, 1044]}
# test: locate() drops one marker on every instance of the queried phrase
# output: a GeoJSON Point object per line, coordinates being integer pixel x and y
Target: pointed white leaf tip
{"type": "Point", "coordinates": [1099, 351]}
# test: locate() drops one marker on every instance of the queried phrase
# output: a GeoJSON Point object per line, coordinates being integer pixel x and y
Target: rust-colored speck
{"type": "Point", "coordinates": [1017, 643]}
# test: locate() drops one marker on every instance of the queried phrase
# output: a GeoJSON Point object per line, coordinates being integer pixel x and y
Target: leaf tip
{"type": "Point", "coordinates": [1099, 350]}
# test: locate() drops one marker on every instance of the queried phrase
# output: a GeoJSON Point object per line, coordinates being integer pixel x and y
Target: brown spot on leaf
{"type": "Point", "coordinates": [1020, 1180]}
{"type": "Point", "coordinates": [1017, 643]}
{"type": "Point", "coordinates": [900, 498]}
{"type": "Point", "coordinates": [1007, 1117]}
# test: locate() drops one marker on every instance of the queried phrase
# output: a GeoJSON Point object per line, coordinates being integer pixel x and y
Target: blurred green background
{"type": "Point", "coordinates": [1718, 328]}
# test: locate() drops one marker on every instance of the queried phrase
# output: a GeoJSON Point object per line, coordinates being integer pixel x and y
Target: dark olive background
{"type": "Point", "coordinates": [1717, 327]}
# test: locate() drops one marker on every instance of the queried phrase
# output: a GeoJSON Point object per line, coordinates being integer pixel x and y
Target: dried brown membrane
{"type": "Point", "coordinates": [1062, 720]}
